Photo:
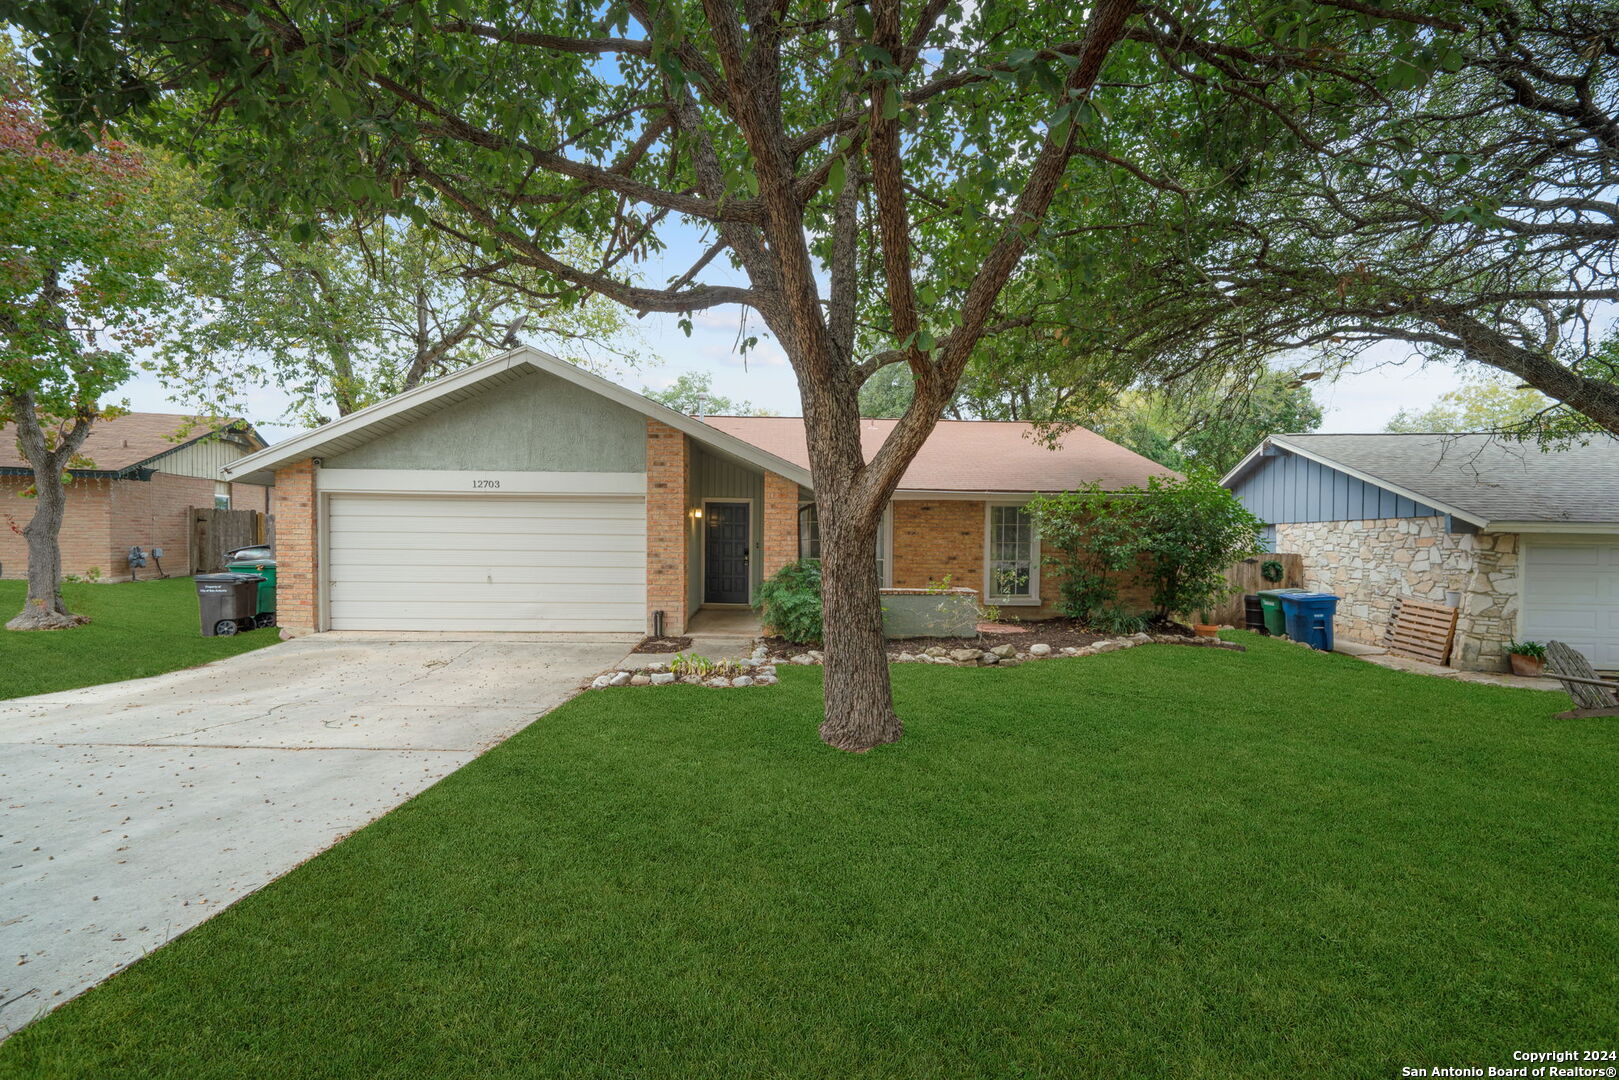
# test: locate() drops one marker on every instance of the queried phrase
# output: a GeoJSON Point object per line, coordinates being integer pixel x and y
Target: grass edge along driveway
{"type": "Point", "coordinates": [137, 629]}
{"type": "Point", "coordinates": [1167, 862]}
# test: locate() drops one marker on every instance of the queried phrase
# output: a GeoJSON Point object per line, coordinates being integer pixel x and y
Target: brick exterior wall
{"type": "Point", "coordinates": [86, 541]}
{"type": "Point", "coordinates": [936, 540]}
{"type": "Point", "coordinates": [105, 518]}
{"type": "Point", "coordinates": [297, 548]}
{"type": "Point", "coordinates": [933, 540]}
{"type": "Point", "coordinates": [780, 523]}
{"type": "Point", "coordinates": [668, 474]}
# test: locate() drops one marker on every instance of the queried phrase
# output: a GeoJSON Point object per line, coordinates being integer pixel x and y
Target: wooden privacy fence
{"type": "Point", "coordinates": [1245, 577]}
{"type": "Point", "coordinates": [214, 532]}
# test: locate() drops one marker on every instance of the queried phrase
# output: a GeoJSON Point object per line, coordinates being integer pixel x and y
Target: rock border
{"type": "Point", "coordinates": [759, 670]}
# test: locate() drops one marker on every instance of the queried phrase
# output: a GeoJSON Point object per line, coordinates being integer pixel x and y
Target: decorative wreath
{"type": "Point", "coordinates": [1272, 570]}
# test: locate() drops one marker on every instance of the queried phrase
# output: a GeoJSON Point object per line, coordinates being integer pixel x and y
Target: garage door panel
{"type": "Point", "coordinates": [512, 524]}
{"type": "Point", "coordinates": [445, 595]}
{"type": "Point", "coordinates": [438, 541]}
{"type": "Point", "coordinates": [491, 508]}
{"type": "Point", "coordinates": [1570, 593]}
{"type": "Point", "coordinates": [632, 566]}
{"type": "Point", "coordinates": [475, 562]}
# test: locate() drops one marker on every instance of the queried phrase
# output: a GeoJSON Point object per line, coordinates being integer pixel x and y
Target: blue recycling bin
{"type": "Point", "coordinates": [1309, 618]}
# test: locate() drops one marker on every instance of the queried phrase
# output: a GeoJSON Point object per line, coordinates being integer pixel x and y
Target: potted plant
{"type": "Point", "coordinates": [1206, 627]}
{"type": "Point", "coordinates": [1527, 657]}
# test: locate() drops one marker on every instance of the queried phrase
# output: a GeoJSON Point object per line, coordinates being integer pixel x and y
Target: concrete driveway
{"type": "Point", "coordinates": [133, 811]}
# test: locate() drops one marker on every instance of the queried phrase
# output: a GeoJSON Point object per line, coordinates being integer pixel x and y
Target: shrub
{"type": "Point", "coordinates": [1181, 535]}
{"type": "Point", "coordinates": [789, 602]}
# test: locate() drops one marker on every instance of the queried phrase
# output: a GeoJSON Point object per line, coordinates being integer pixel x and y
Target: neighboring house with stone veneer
{"type": "Point", "coordinates": [1523, 542]}
{"type": "Point", "coordinates": [142, 473]}
{"type": "Point", "coordinates": [525, 493]}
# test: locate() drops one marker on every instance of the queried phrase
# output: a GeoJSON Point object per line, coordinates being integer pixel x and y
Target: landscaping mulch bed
{"type": "Point", "coordinates": [1058, 633]}
{"type": "Point", "coordinates": [662, 645]}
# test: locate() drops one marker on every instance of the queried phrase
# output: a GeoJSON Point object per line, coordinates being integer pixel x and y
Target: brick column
{"type": "Point", "coordinates": [297, 548]}
{"type": "Point", "coordinates": [668, 470]}
{"type": "Point", "coordinates": [780, 523]}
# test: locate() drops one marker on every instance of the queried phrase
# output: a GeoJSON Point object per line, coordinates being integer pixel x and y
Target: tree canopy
{"type": "Point", "coordinates": [369, 306]}
{"type": "Point", "coordinates": [884, 184]}
{"type": "Point", "coordinates": [82, 246]}
{"type": "Point", "coordinates": [692, 393]}
{"type": "Point", "coordinates": [1467, 211]}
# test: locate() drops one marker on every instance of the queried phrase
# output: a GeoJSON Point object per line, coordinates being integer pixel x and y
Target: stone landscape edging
{"type": "Point", "coordinates": [759, 670]}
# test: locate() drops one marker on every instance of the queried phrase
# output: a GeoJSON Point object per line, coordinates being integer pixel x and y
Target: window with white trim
{"type": "Point", "coordinates": [1012, 568]}
{"type": "Point", "coordinates": [809, 538]}
{"type": "Point", "coordinates": [221, 495]}
{"type": "Point", "coordinates": [809, 532]}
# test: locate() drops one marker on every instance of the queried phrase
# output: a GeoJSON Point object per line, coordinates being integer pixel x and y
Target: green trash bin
{"type": "Point", "coordinates": [265, 568]}
{"type": "Point", "coordinates": [1270, 602]}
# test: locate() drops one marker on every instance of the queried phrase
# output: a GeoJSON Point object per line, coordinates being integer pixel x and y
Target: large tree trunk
{"type": "Point", "coordinates": [859, 701]}
{"type": "Point", "coordinates": [44, 608]}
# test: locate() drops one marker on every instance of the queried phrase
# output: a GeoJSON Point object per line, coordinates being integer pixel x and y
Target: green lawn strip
{"type": "Point", "coordinates": [1167, 862]}
{"type": "Point", "coordinates": [137, 629]}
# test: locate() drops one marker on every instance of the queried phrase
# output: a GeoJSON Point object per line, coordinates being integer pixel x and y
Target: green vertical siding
{"type": "Point", "coordinates": [540, 423]}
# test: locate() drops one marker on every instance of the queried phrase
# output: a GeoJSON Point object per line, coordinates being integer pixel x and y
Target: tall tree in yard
{"type": "Point", "coordinates": [79, 262]}
{"type": "Point", "coordinates": [365, 307]}
{"type": "Point", "coordinates": [878, 174]}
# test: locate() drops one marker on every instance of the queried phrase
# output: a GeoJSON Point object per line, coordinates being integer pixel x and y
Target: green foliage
{"type": "Point", "coordinates": [1494, 403]}
{"type": "Point", "coordinates": [83, 240]}
{"type": "Point", "coordinates": [1272, 570]}
{"type": "Point", "coordinates": [1179, 535]}
{"type": "Point", "coordinates": [789, 602]}
{"type": "Point", "coordinates": [692, 393]}
{"type": "Point", "coordinates": [888, 392]}
{"type": "Point", "coordinates": [1528, 648]}
{"type": "Point", "coordinates": [363, 307]}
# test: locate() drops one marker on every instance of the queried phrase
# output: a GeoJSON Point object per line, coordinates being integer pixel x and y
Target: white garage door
{"type": "Point", "coordinates": [1571, 594]}
{"type": "Point", "coordinates": [457, 562]}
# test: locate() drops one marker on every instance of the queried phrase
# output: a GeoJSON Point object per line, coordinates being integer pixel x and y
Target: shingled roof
{"type": "Point", "coordinates": [126, 444]}
{"type": "Point", "coordinates": [972, 455]}
{"type": "Point", "coordinates": [1485, 477]}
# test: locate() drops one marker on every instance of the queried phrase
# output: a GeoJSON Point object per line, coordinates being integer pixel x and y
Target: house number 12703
{"type": "Point", "coordinates": [486, 483]}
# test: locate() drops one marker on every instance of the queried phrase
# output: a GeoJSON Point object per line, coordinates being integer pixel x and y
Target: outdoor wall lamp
{"type": "Point", "coordinates": [697, 512]}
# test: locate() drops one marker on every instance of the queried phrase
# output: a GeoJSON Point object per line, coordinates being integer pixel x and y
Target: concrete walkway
{"type": "Point", "coordinates": [723, 633]}
{"type": "Point", "coordinates": [134, 811]}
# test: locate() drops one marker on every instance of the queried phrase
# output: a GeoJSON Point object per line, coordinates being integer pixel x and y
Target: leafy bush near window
{"type": "Point", "coordinates": [789, 602]}
{"type": "Point", "coordinates": [1179, 535]}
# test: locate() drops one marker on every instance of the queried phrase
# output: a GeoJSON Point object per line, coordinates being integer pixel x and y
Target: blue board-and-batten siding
{"type": "Point", "coordinates": [1288, 488]}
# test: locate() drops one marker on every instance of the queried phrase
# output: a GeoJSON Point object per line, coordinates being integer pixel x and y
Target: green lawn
{"type": "Point", "coordinates": [138, 629]}
{"type": "Point", "coordinates": [1163, 863]}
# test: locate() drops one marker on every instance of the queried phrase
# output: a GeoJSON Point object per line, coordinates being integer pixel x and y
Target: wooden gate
{"type": "Point", "coordinates": [214, 532]}
{"type": "Point", "coordinates": [1245, 577]}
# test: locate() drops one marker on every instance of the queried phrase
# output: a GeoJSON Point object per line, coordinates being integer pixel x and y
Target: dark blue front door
{"type": "Point", "coordinates": [725, 531]}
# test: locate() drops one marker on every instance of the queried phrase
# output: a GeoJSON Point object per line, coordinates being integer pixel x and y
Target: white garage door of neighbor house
{"type": "Point", "coordinates": [459, 562]}
{"type": "Point", "coordinates": [1571, 594]}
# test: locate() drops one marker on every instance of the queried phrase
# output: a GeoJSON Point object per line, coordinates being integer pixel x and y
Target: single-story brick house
{"type": "Point", "coordinates": [1523, 542]}
{"type": "Point", "coordinates": [525, 493]}
{"type": "Point", "coordinates": [144, 472]}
